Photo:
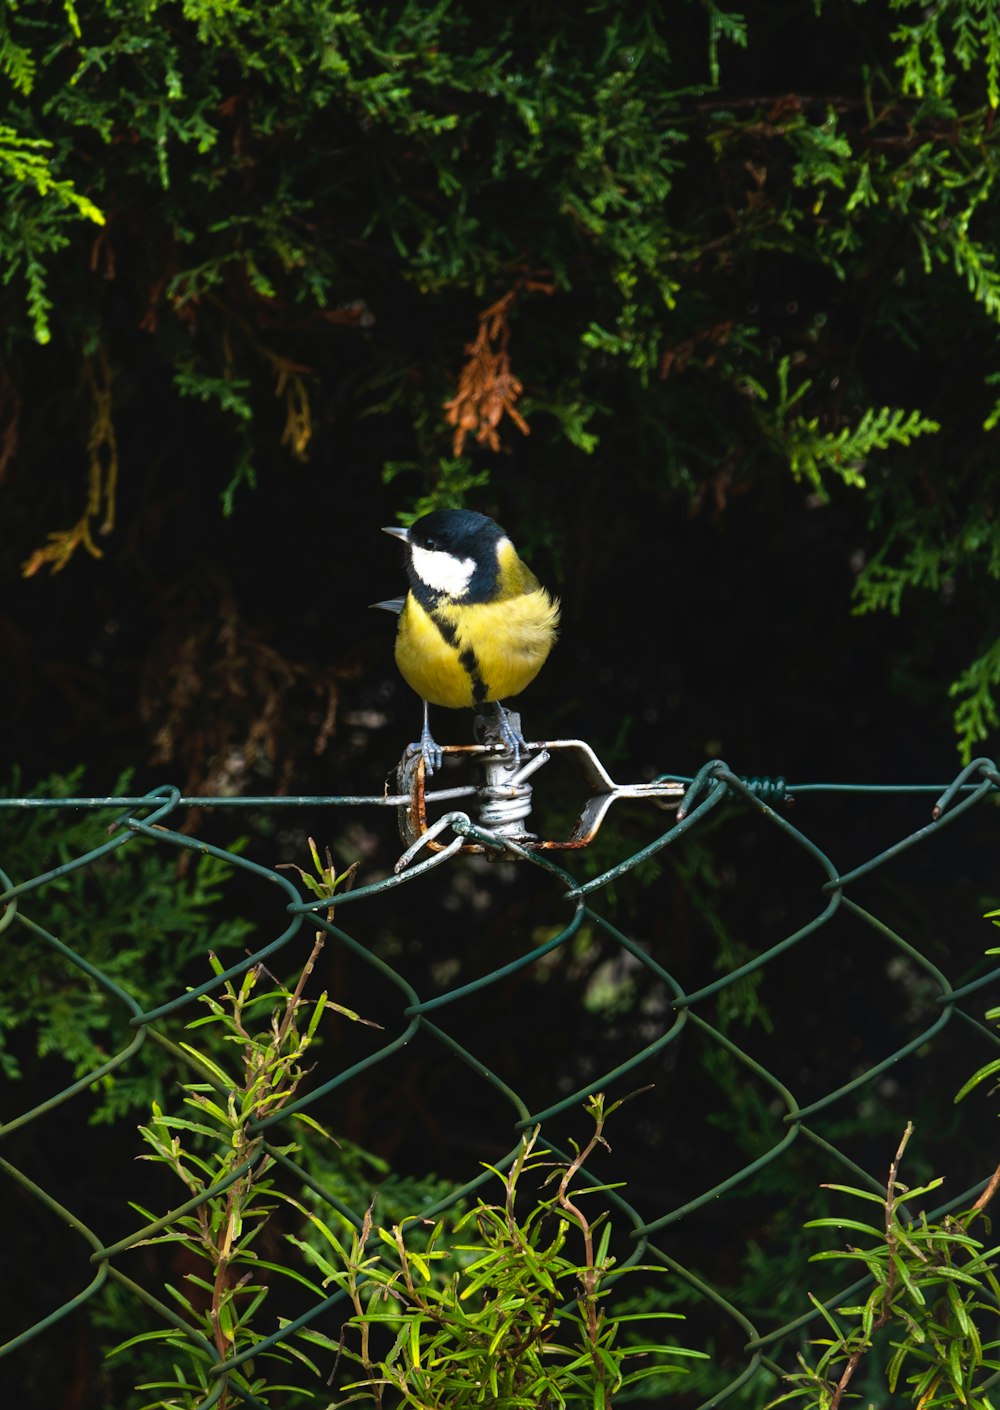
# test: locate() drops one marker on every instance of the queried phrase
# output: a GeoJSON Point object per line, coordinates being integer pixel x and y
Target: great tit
{"type": "Point", "coordinates": [476, 625]}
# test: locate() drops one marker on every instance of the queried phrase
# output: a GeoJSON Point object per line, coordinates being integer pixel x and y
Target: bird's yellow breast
{"type": "Point", "coordinates": [460, 655]}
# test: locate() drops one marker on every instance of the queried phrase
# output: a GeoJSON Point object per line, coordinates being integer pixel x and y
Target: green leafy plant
{"type": "Point", "coordinates": [510, 1304]}
{"type": "Point", "coordinates": [930, 1315]}
{"type": "Point", "coordinates": [525, 1319]}
{"type": "Point", "coordinates": [932, 1286]}
{"type": "Point", "coordinates": [227, 1167]}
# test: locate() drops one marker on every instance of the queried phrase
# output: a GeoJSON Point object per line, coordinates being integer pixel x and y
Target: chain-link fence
{"type": "Point", "coordinates": [703, 1191]}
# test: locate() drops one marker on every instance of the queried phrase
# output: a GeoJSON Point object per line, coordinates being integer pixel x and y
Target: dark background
{"type": "Point", "coordinates": [342, 203]}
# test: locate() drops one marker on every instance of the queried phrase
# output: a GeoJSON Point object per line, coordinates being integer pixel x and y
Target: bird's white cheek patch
{"type": "Point", "coordinates": [443, 571]}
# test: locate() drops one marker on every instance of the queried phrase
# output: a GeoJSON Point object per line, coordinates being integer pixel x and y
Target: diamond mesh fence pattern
{"type": "Point", "coordinates": [662, 1217]}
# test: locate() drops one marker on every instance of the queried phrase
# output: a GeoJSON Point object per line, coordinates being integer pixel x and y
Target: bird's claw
{"type": "Point", "coordinates": [501, 730]}
{"type": "Point", "coordinates": [427, 749]}
{"type": "Point", "coordinates": [510, 732]}
{"type": "Point", "coordinates": [433, 754]}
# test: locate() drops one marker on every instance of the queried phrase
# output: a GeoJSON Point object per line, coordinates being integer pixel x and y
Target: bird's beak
{"type": "Point", "coordinates": [398, 533]}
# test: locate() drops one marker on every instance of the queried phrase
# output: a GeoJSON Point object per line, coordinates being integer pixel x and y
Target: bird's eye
{"type": "Point", "coordinates": [430, 544]}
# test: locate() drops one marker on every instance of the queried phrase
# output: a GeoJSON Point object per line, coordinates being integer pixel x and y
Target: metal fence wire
{"type": "Point", "coordinates": [750, 1351]}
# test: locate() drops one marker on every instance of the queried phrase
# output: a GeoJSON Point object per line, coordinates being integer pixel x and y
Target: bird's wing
{"type": "Point", "coordinates": [392, 604]}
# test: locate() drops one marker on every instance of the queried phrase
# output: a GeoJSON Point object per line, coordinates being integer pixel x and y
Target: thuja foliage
{"type": "Point", "coordinates": [647, 242]}
{"type": "Point", "coordinates": [134, 912]}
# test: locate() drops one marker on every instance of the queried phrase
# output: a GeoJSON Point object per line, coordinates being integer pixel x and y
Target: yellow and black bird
{"type": "Point", "coordinates": [476, 625]}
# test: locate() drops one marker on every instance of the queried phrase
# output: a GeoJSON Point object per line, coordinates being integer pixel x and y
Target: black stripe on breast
{"type": "Point", "coordinates": [470, 662]}
{"type": "Point", "coordinates": [445, 628]}
{"type": "Point", "coordinates": [468, 659]}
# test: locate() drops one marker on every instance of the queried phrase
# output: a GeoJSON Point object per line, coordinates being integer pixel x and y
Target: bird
{"type": "Point", "coordinates": [475, 627]}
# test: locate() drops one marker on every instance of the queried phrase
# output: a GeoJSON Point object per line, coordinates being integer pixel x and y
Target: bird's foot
{"type": "Point", "coordinates": [425, 748]}
{"type": "Point", "coordinates": [502, 730]}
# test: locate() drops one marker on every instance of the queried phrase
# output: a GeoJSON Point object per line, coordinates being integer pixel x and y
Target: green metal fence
{"type": "Point", "coordinates": [428, 1009]}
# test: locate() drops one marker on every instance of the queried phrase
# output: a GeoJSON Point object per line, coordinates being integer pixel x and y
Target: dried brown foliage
{"type": "Point", "coordinates": [102, 477]}
{"type": "Point", "coordinates": [10, 421]}
{"type": "Point", "coordinates": [677, 357]}
{"type": "Point", "coordinates": [487, 388]}
{"type": "Point", "coordinates": [223, 702]}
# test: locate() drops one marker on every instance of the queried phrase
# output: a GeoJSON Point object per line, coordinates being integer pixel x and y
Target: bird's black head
{"type": "Point", "coordinates": [461, 532]}
{"type": "Point", "coordinates": [453, 553]}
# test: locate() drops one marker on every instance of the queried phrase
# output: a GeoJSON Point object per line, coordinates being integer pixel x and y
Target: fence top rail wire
{"type": "Point", "coordinates": [397, 800]}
